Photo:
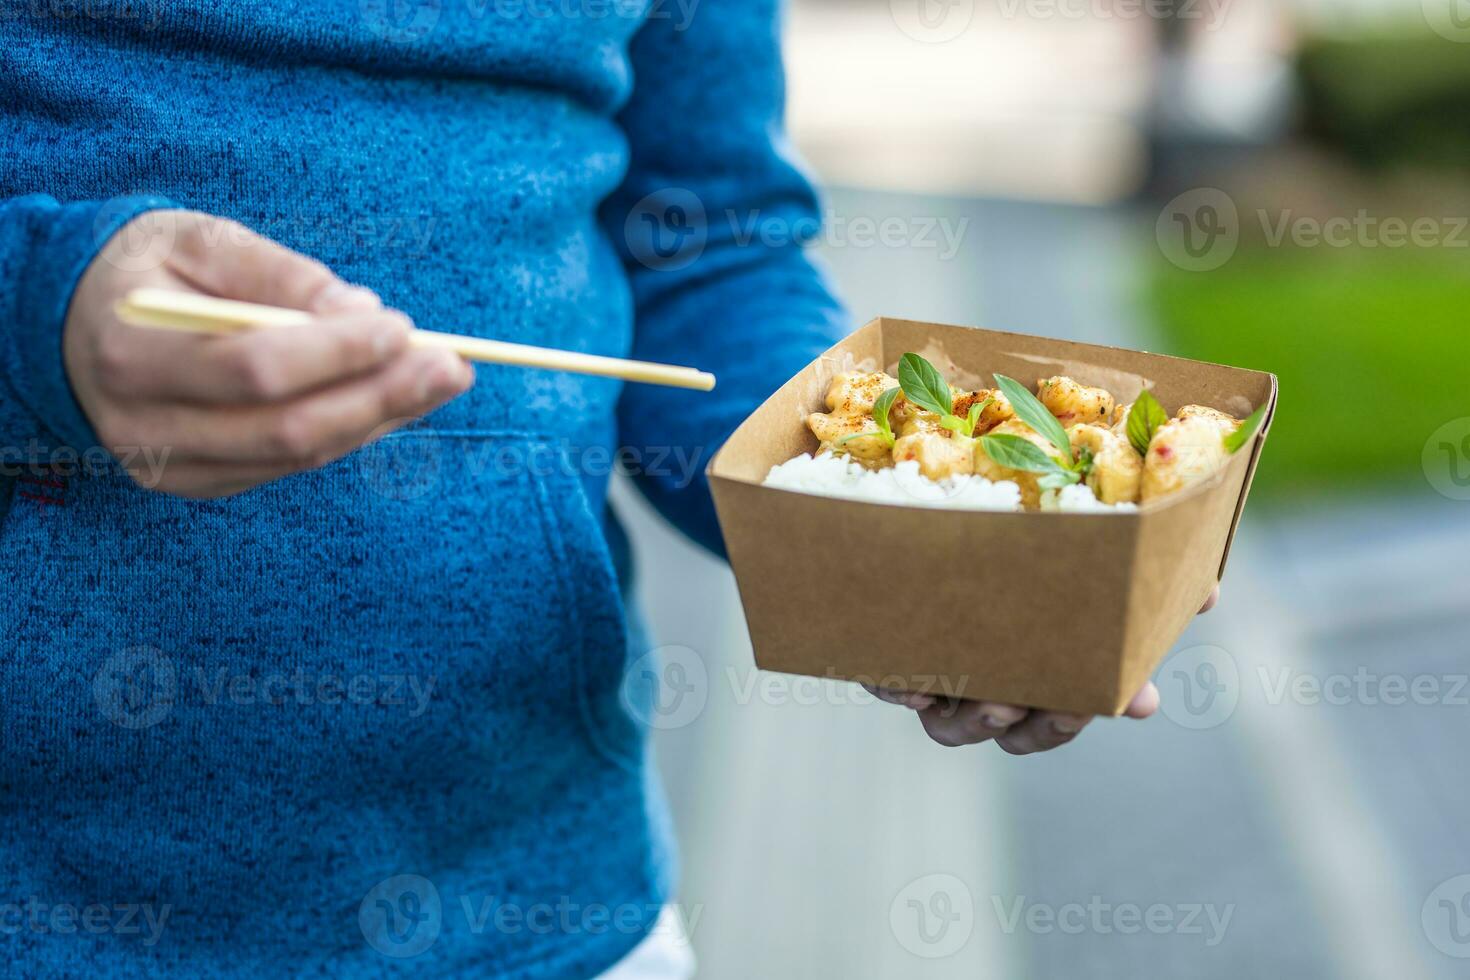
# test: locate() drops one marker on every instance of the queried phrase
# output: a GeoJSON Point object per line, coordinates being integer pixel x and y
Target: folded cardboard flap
{"type": "Point", "coordinates": [1064, 611]}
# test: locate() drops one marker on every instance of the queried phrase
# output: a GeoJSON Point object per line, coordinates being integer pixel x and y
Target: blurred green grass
{"type": "Point", "coordinates": [1370, 346]}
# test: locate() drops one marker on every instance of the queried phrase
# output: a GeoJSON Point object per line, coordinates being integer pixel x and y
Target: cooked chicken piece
{"type": "Point", "coordinates": [1116, 468]}
{"type": "Point", "coordinates": [909, 419]}
{"type": "Point", "coordinates": [830, 430]}
{"type": "Point", "coordinates": [939, 454]}
{"type": "Point", "coordinates": [850, 401]}
{"type": "Point", "coordinates": [1227, 423]}
{"type": "Point", "coordinates": [1120, 420]}
{"type": "Point", "coordinates": [1183, 452]}
{"type": "Point", "coordinates": [991, 470]}
{"type": "Point", "coordinates": [1073, 403]}
{"type": "Point", "coordinates": [853, 392]}
{"type": "Point", "coordinates": [998, 411]}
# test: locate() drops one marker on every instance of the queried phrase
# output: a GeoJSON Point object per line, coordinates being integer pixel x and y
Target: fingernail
{"type": "Point", "coordinates": [1002, 716]}
{"type": "Point", "coordinates": [1066, 726]}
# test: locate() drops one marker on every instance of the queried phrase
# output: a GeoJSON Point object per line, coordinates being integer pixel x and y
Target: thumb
{"type": "Point", "coordinates": [226, 259]}
{"type": "Point", "coordinates": [1144, 703]}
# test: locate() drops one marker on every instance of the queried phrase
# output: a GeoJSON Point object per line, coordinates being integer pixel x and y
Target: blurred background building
{"type": "Point", "coordinates": [1275, 185]}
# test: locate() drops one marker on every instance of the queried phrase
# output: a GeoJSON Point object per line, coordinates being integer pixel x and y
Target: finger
{"type": "Point", "coordinates": [318, 427]}
{"type": "Point", "coordinates": [257, 366]}
{"type": "Point", "coordinates": [224, 258]}
{"type": "Point", "coordinates": [1210, 602]}
{"type": "Point", "coordinates": [905, 699]}
{"type": "Point", "coordinates": [1042, 730]}
{"type": "Point", "coordinates": [1144, 703]}
{"type": "Point", "coordinates": [953, 723]}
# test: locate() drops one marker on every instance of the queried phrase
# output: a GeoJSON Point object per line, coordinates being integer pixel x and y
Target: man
{"type": "Point", "coordinates": [280, 705]}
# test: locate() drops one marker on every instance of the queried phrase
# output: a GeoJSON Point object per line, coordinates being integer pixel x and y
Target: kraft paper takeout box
{"type": "Point", "coordinates": [1071, 612]}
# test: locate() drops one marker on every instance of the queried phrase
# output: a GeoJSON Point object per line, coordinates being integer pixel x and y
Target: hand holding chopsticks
{"type": "Point", "coordinates": [167, 309]}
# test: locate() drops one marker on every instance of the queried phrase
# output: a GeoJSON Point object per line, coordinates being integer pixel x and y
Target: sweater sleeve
{"type": "Point", "coordinates": [711, 221]}
{"type": "Point", "coordinates": [45, 246]}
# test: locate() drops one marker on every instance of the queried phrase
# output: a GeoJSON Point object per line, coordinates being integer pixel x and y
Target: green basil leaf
{"type": "Point", "coordinates": [1055, 481]}
{"type": "Point", "coordinates": [1028, 409]}
{"type": "Point", "coordinates": [1247, 429]}
{"type": "Point", "coordinates": [924, 385]}
{"type": "Point", "coordinates": [881, 406]}
{"type": "Point", "coordinates": [975, 410]}
{"type": "Point", "coordinates": [1017, 453]}
{"type": "Point", "coordinates": [1144, 419]}
{"type": "Point", "coordinates": [954, 424]}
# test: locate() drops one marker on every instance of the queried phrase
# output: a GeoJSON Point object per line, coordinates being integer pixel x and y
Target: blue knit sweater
{"type": "Point", "coordinates": [370, 719]}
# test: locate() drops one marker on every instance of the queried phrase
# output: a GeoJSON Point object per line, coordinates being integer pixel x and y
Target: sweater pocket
{"type": "Point", "coordinates": [428, 631]}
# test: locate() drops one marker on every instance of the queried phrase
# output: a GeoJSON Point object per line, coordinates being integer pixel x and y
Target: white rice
{"type": "Point", "coordinates": [1078, 498]}
{"type": "Point", "coordinates": [837, 476]}
{"type": "Point", "coordinates": [828, 475]}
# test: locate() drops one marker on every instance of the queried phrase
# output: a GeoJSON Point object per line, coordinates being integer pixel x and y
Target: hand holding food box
{"type": "Point", "coordinates": [1040, 548]}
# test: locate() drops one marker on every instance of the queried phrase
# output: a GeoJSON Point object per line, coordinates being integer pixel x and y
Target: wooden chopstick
{"type": "Point", "coordinates": [167, 309]}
